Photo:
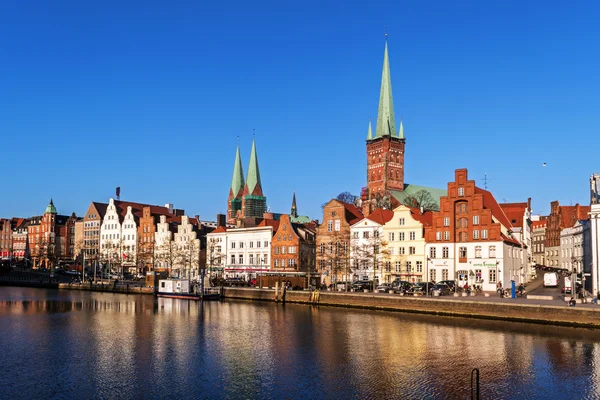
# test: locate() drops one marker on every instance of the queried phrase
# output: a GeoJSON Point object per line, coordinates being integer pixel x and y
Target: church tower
{"type": "Point", "coordinates": [385, 150]}
{"type": "Point", "coordinates": [234, 200]}
{"type": "Point", "coordinates": [254, 203]}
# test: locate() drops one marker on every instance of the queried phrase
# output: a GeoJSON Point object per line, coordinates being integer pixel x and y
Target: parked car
{"type": "Point", "coordinates": [343, 285]}
{"type": "Point", "coordinates": [361, 285]}
{"type": "Point", "coordinates": [450, 284]}
{"type": "Point", "coordinates": [384, 288]}
{"type": "Point", "coordinates": [419, 287]}
{"type": "Point", "coordinates": [441, 289]}
{"type": "Point", "coordinates": [400, 286]}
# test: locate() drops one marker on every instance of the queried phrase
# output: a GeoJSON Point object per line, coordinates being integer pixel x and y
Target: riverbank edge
{"type": "Point", "coordinates": [106, 288]}
{"type": "Point", "coordinates": [523, 313]}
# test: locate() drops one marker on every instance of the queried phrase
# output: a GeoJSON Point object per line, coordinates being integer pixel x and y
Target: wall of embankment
{"type": "Point", "coordinates": [107, 288]}
{"type": "Point", "coordinates": [530, 313]}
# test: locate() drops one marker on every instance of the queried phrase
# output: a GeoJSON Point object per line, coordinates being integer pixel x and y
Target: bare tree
{"type": "Point", "coordinates": [214, 255]}
{"type": "Point", "coordinates": [422, 198]}
{"type": "Point", "coordinates": [371, 253]}
{"type": "Point", "coordinates": [347, 197]}
{"type": "Point", "coordinates": [333, 255]}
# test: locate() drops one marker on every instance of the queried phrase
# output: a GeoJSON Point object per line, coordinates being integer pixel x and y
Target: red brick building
{"type": "Point", "coordinates": [293, 247]}
{"type": "Point", "coordinates": [5, 239]}
{"type": "Point", "coordinates": [333, 239]}
{"type": "Point", "coordinates": [470, 239]}
{"type": "Point", "coordinates": [560, 218]}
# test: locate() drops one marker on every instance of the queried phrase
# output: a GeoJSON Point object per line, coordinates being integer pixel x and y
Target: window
{"type": "Point", "coordinates": [408, 266]}
{"type": "Point", "coordinates": [432, 277]}
{"type": "Point", "coordinates": [233, 245]}
{"type": "Point", "coordinates": [233, 258]}
{"type": "Point", "coordinates": [375, 233]}
{"type": "Point", "coordinates": [420, 266]}
{"type": "Point", "coordinates": [432, 252]}
{"type": "Point", "coordinates": [337, 225]}
{"type": "Point", "coordinates": [438, 236]}
{"type": "Point", "coordinates": [461, 208]}
{"type": "Point", "coordinates": [365, 234]}
{"type": "Point", "coordinates": [401, 236]}
{"type": "Point", "coordinates": [258, 243]}
{"type": "Point", "coordinates": [398, 266]}
{"type": "Point", "coordinates": [355, 235]}
{"type": "Point", "coordinates": [492, 275]}
{"type": "Point", "coordinates": [388, 266]}
{"type": "Point", "coordinates": [412, 235]}
{"type": "Point", "coordinates": [412, 250]}
{"type": "Point", "coordinates": [251, 244]}
{"type": "Point", "coordinates": [283, 249]}
{"type": "Point", "coordinates": [444, 274]}
{"type": "Point", "coordinates": [401, 250]}
{"type": "Point", "coordinates": [462, 252]}
{"type": "Point", "coordinates": [484, 234]}
{"type": "Point", "coordinates": [276, 249]}
{"type": "Point", "coordinates": [266, 244]}
{"type": "Point", "coordinates": [477, 251]}
{"type": "Point", "coordinates": [240, 258]}
{"type": "Point", "coordinates": [464, 236]}
{"type": "Point", "coordinates": [446, 221]}
{"type": "Point", "coordinates": [461, 191]}
{"type": "Point", "coordinates": [475, 234]}
{"type": "Point", "coordinates": [492, 250]}
{"type": "Point", "coordinates": [446, 235]}
{"type": "Point", "coordinates": [478, 277]}
{"type": "Point", "coordinates": [475, 219]}
{"type": "Point", "coordinates": [266, 259]}
{"type": "Point", "coordinates": [329, 226]}
{"type": "Point", "coordinates": [241, 245]}
{"type": "Point", "coordinates": [251, 259]}
{"type": "Point", "coordinates": [391, 236]}
{"type": "Point", "coordinates": [276, 262]}
{"type": "Point", "coordinates": [401, 221]}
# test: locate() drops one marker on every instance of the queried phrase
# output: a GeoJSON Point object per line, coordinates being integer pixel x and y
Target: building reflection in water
{"type": "Point", "coordinates": [136, 346]}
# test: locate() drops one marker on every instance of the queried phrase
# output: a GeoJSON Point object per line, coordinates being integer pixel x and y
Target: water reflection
{"type": "Point", "coordinates": [63, 344]}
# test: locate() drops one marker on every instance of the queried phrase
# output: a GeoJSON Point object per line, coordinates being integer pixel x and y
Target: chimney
{"type": "Point", "coordinates": [170, 207]}
{"type": "Point", "coordinates": [197, 218]}
{"type": "Point", "coordinates": [220, 220]}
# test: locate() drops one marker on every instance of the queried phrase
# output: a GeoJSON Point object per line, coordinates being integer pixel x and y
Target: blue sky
{"type": "Point", "coordinates": [152, 96]}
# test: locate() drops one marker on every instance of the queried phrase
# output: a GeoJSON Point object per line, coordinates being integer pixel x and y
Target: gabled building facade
{"type": "Point", "coordinates": [575, 249]}
{"type": "Point", "coordinates": [369, 251]}
{"type": "Point", "coordinates": [293, 247]}
{"type": "Point", "coordinates": [405, 235]}
{"type": "Point", "coordinates": [471, 240]}
{"type": "Point", "coordinates": [333, 241]}
{"type": "Point", "coordinates": [538, 239]}
{"type": "Point", "coordinates": [560, 217]}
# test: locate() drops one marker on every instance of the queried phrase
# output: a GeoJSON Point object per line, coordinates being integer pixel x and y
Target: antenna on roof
{"type": "Point", "coordinates": [485, 181]}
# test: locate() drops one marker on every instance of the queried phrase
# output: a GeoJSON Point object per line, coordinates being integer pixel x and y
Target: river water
{"type": "Point", "coordinates": [69, 344]}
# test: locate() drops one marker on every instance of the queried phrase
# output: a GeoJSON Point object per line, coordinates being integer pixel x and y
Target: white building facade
{"type": "Point", "coordinates": [366, 251]}
{"type": "Point", "coordinates": [239, 253]}
{"type": "Point", "coordinates": [129, 240]}
{"type": "Point", "coordinates": [187, 243]}
{"type": "Point", "coordinates": [110, 237]}
{"type": "Point", "coordinates": [595, 246]}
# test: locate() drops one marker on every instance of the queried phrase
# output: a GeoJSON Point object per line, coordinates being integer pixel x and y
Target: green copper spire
{"type": "Point", "coordinates": [237, 182]}
{"type": "Point", "coordinates": [386, 124]}
{"type": "Point", "coordinates": [253, 177]}
{"type": "Point", "coordinates": [50, 209]}
{"type": "Point", "coordinates": [401, 131]}
{"type": "Point", "coordinates": [370, 131]}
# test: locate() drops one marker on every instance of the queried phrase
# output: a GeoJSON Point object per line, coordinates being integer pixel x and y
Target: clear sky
{"type": "Point", "coordinates": [151, 96]}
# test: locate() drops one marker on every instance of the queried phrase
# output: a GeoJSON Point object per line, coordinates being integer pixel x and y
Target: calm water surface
{"type": "Point", "coordinates": [65, 345]}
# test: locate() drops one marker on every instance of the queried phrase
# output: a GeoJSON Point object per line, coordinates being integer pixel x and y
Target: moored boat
{"type": "Point", "coordinates": [181, 289]}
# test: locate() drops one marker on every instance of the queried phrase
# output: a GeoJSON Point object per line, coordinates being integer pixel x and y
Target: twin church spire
{"type": "Point", "coordinates": [246, 197]}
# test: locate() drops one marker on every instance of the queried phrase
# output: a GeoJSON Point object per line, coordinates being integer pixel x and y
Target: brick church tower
{"type": "Point", "coordinates": [385, 150]}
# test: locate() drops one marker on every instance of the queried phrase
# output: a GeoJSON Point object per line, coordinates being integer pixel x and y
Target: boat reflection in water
{"type": "Point", "coordinates": [117, 346]}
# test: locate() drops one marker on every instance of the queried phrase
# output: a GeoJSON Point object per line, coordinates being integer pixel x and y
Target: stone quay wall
{"type": "Point", "coordinates": [530, 313]}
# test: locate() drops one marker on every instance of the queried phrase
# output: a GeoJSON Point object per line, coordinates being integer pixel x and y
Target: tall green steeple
{"type": "Point", "coordinates": [386, 124]}
{"type": "Point", "coordinates": [237, 182]}
{"type": "Point", "coordinates": [370, 131]}
{"type": "Point", "coordinates": [253, 177]}
{"type": "Point", "coordinates": [401, 131]}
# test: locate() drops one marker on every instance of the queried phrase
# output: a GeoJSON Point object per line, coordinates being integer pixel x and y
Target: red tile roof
{"type": "Point", "coordinates": [510, 239]}
{"type": "Point", "coordinates": [270, 222]}
{"type": "Point", "coordinates": [220, 229]}
{"type": "Point", "coordinates": [353, 214]}
{"type": "Point", "coordinates": [425, 219]}
{"type": "Point", "coordinates": [515, 212]}
{"type": "Point", "coordinates": [381, 216]}
{"type": "Point", "coordinates": [539, 224]}
{"type": "Point", "coordinates": [571, 214]}
{"type": "Point", "coordinates": [490, 203]}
